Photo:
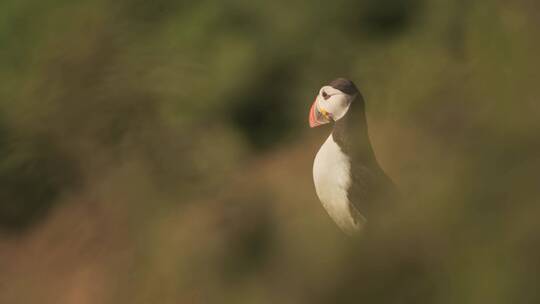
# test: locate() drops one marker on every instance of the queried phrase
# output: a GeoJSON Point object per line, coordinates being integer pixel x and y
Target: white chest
{"type": "Point", "coordinates": [331, 174]}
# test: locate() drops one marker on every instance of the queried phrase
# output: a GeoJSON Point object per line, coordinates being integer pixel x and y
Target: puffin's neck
{"type": "Point", "coordinates": [351, 134]}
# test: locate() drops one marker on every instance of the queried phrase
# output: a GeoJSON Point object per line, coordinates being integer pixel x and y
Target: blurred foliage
{"type": "Point", "coordinates": [33, 174]}
{"type": "Point", "coordinates": [158, 151]}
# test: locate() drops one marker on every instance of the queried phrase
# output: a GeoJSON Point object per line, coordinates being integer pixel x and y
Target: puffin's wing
{"type": "Point", "coordinates": [370, 191]}
{"type": "Point", "coordinates": [359, 190]}
{"type": "Point", "coordinates": [359, 219]}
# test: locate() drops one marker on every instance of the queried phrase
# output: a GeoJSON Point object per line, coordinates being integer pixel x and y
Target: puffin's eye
{"type": "Point", "coordinates": [325, 95]}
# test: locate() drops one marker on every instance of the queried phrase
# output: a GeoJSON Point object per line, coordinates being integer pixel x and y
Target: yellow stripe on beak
{"type": "Point", "coordinates": [325, 114]}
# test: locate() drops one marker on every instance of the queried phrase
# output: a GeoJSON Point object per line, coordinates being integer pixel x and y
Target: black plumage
{"type": "Point", "coordinates": [371, 192]}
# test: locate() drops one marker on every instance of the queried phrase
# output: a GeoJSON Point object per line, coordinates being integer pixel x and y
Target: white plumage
{"type": "Point", "coordinates": [331, 174]}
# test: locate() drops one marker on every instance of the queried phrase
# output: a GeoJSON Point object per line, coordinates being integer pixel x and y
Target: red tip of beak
{"type": "Point", "coordinates": [312, 117]}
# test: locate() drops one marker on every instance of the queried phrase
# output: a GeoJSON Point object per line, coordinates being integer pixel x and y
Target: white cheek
{"type": "Point", "coordinates": [331, 105]}
{"type": "Point", "coordinates": [338, 107]}
{"type": "Point", "coordinates": [341, 112]}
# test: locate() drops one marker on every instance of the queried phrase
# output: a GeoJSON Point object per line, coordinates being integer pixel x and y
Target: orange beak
{"type": "Point", "coordinates": [313, 122]}
{"type": "Point", "coordinates": [315, 116]}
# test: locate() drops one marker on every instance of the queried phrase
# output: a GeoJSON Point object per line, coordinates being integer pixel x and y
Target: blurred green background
{"type": "Point", "coordinates": [158, 151]}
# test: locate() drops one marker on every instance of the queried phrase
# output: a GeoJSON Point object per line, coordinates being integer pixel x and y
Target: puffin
{"type": "Point", "coordinates": [349, 182]}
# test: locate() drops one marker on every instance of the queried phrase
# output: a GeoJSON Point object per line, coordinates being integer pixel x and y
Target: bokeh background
{"type": "Point", "coordinates": [158, 151]}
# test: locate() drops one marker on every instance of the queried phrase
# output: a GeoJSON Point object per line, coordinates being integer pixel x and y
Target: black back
{"type": "Point", "coordinates": [372, 192]}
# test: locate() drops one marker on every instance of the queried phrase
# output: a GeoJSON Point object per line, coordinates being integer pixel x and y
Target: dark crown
{"type": "Point", "coordinates": [344, 85]}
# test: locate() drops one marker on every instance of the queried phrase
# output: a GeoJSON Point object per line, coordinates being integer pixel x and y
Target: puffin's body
{"type": "Point", "coordinates": [349, 182]}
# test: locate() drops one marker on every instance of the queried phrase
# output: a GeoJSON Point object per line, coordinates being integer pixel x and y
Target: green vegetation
{"type": "Point", "coordinates": [158, 151]}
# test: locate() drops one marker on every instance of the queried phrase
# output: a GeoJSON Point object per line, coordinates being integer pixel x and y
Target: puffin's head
{"type": "Point", "coordinates": [333, 102]}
